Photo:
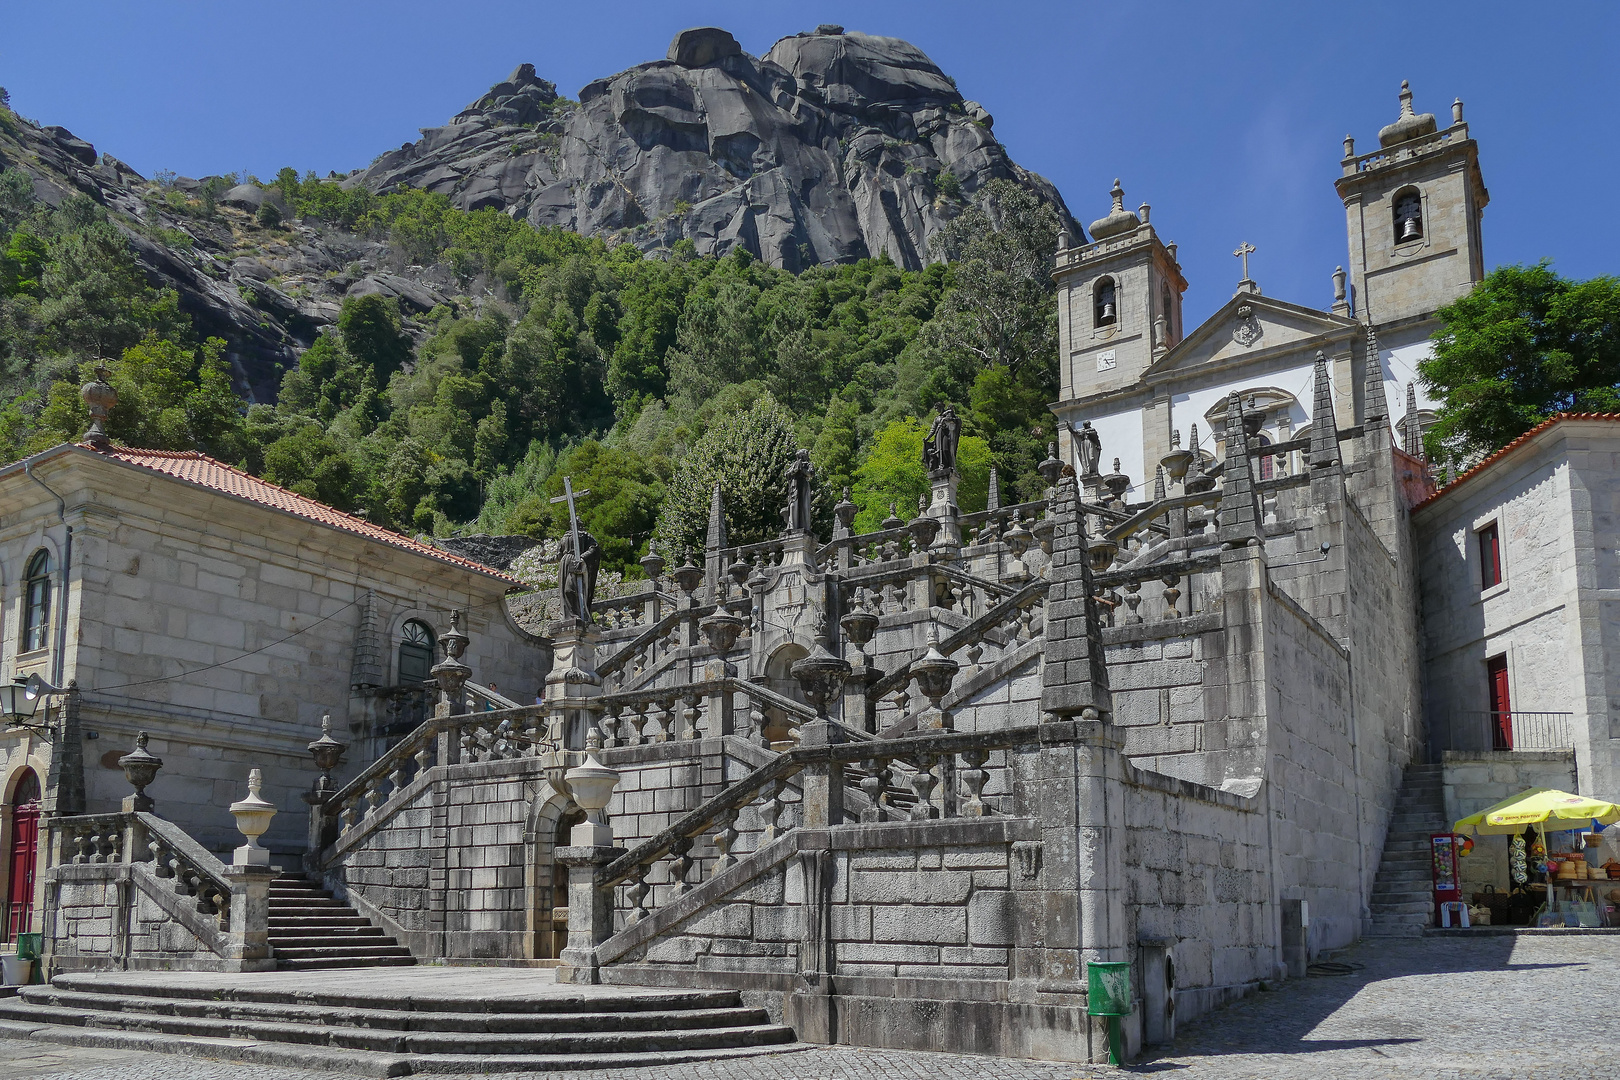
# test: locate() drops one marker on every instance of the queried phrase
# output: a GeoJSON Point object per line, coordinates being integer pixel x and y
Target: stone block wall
{"type": "Point", "coordinates": [117, 916]}
{"type": "Point", "coordinates": [1198, 878]}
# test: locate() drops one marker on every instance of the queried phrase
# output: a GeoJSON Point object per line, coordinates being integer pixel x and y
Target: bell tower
{"type": "Point", "coordinates": [1119, 302]}
{"type": "Point", "coordinates": [1413, 209]}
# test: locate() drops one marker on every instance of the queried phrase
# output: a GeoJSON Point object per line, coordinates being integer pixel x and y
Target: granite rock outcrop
{"type": "Point", "coordinates": [829, 148]}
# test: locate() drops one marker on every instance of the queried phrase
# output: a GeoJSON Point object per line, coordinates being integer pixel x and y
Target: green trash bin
{"type": "Point", "coordinates": [28, 947]}
{"type": "Point", "coordinates": [1108, 993]}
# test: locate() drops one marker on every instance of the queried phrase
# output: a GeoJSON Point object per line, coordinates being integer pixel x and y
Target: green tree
{"type": "Point", "coordinates": [1523, 345]}
{"type": "Point", "coordinates": [893, 473]}
{"type": "Point", "coordinates": [747, 453]}
{"type": "Point", "coordinates": [311, 463]}
{"type": "Point", "coordinates": [372, 333]}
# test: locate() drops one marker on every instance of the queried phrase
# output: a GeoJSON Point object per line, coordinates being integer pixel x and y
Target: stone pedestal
{"type": "Point", "coordinates": [942, 508]}
{"type": "Point", "coordinates": [248, 947]}
{"type": "Point", "coordinates": [573, 682]}
{"type": "Point", "coordinates": [590, 911]}
{"type": "Point", "coordinates": [822, 782]}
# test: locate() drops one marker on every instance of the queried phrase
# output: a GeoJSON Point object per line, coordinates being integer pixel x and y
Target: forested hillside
{"type": "Point", "coordinates": [647, 378]}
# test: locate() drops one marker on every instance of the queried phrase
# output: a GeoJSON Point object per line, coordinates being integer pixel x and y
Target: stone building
{"type": "Point", "coordinates": [899, 788]}
{"type": "Point", "coordinates": [1520, 574]}
{"type": "Point", "coordinates": [224, 616]}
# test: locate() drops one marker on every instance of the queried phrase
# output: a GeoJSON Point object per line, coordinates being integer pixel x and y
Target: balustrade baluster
{"type": "Point", "coordinates": [1133, 600]}
{"type": "Point", "coordinates": [205, 899]}
{"type": "Point", "coordinates": [610, 725]}
{"type": "Point", "coordinates": [1171, 593]}
{"type": "Point", "coordinates": [423, 758]}
{"type": "Point", "coordinates": [637, 721]}
{"type": "Point", "coordinates": [771, 812]}
{"type": "Point", "coordinates": [756, 725]}
{"type": "Point", "coordinates": [637, 894]}
{"type": "Point", "coordinates": [396, 775]}
{"type": "Point", "coordinates": [160, 865]}
{"type": "Point", "coordinates": [875, 785]}
{"type": "Point", "coordinates": [665, 721]}
{"type": "Point", "coordinates": [923, 783]}
{"type": "Point", "coordinates": [692, 714]}
{"type": "Point", "coordinates": [972, 777]}
{"type": "Point", "coordinates": [346, 817]}
{"type": "Point", "coordinates": [725, 836]}
{"type": "Point", "coordinates": [373, 796]}
{"type": "Point", "coordinates": [79, 840]}
{"type": "Point", "coordinates": [681, 864]}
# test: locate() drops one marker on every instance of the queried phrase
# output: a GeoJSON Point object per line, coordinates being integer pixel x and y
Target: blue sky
{"type": "Point", "coordinates": [1227, 118]}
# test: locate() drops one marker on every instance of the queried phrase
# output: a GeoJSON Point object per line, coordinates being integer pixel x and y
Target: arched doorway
{"type": "Point", "coordinates": [24, 855]}
{"type": "Point", "coordinates": [558, 915]}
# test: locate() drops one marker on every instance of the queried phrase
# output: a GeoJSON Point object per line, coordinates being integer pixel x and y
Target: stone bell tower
{"type": "Point", "coordinates": [1413, 210]}
{"type": "Point", "coordinates": [1119, 302]}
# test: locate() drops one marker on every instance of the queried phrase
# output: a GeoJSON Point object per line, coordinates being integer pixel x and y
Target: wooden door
{"type": "Point", "coordinates": [24, 856]}
{"type": "Point", "coordinates": [1501, 709]}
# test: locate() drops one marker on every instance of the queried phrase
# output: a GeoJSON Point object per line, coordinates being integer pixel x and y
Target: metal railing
{"type": "Point", "coordinates": [1516, 730]}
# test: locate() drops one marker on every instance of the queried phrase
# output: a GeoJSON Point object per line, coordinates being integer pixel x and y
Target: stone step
{"type": "Point", "coordinates": [324, 919]}
{"type": "Point", "coordinates": [616, 1041]}
{"type": "Point", "coordinates": [327, 1059]}
{"type": "Point", "coordinates": [382, 949]}
{"type": "Point", "coordinates": [1402, 907]}
{"type": "Point", "coordinates": [394, 1020]}
{"type": "Point", "coordinates": [331, 963]}
{"type": "Point", "coordinates": [280, 938]}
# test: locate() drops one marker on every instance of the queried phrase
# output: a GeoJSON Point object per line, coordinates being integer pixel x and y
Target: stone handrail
{"type": "Point", "coordinates": [1011, 607]}
{"type": "Point", "coordinates": [626, 713]}
{"type": "Point", "coordinates": [192, 866]}
{"type": "Point", "coordinates": [932, 757]}
{"type": "Point", "coordinates": [491, 697]}
{"type": "Point", "coordinates": [637, 644]}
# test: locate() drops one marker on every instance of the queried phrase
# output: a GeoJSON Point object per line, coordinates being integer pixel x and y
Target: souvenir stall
{"type": "Point", "coordinates": [1563, 847]}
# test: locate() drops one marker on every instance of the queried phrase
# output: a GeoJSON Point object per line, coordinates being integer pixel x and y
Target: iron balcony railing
{"type": "Point", "coordinates": [1516, 730]}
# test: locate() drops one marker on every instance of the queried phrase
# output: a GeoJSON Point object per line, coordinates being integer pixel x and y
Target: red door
{"type": "Point", "coordinates": [24, 855]}
{"type": "Point", "coordinates": [1501, 711]}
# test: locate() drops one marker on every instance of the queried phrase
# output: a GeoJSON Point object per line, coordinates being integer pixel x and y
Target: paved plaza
{"type": "Point", "coordinates": [1437, 1009]}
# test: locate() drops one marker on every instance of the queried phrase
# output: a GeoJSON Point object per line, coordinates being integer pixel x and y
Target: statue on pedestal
{"type": "Point", "coordinates": [801, 476]}
{"type": "Point", "coordinates": [939, 449]}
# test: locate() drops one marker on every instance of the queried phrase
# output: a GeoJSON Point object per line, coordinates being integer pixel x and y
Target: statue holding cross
{"type": "Point", "coordinates": [581, 556]}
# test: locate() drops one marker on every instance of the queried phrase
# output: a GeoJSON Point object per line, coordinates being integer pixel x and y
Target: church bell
{"type": "Point", "coordinates": [1108, 312]}
{"type": "Point", "coordinates": [1411, 230]}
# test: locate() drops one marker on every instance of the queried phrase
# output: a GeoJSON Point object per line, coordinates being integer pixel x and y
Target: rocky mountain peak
{"type": "Point", "coordinates": [832, 147]}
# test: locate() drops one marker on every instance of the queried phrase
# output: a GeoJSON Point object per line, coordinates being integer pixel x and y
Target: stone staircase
{"type": "Point", "coordinates": [1403, 898]}
{"type": "Point", "coordinates": [312, 931]}
{"type": "Point", "coordinates": [420, 1020]}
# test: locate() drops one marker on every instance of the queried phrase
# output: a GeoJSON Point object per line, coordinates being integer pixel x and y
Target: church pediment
{"type": "Point", "coordinates": [1250, 326]}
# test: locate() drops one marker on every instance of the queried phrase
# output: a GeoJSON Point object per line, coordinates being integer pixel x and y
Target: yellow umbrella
{"type": "Point", "coordinates": [1547, 807]}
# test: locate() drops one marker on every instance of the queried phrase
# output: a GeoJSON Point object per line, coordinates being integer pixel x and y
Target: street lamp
{"type": "Point", "coordinates": [20, 698]}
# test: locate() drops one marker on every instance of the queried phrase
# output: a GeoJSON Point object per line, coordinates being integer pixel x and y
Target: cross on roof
{"type": "Point", "coordinates": [568, 496]}
{"type": "Point", "coordinates": [1244, 250]}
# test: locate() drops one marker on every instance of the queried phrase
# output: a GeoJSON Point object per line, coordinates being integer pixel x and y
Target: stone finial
{"type": "Point", "coordinates": [717, 520]}
{"type": "Point", "coordinates": [845, 512]}
{"type": "Point", "coordinates": [1324, 425]}
{"type": "Point", "coordinates": [1411, 427]}
{"type": "Point", "coordinates": [100, 398]}
{"type": "Point", "coordinates": [451, 673]}
{"type": "Point", "coordinates": [1239, 510]}
{"type": "Point", "coordinates": [1158, 484]}
{"type": "Point", "coordinates": [1409, 125]}
{"type": "Point", "coordinates": [1119, 220]}
{"type": "Point", "coordinates": [328, 754]}
{"type": "Point", "coordinates": [652, 563]}
{"type": "Point", "coordinates": [1340, 293]}
{"type": "Point", "coordinates": [1051, 468]}
{"type": "Point", "coordinates": [252, 816]}
{"type": "Point", "coordinates": [994, 499]}
{"type": "Point", "coordinates": [591, 784]}
{"type": "Point", "coordinates": [1377, 404]}
{"type": "Point", "coordinates": [1456, 111]}
{"type": "Point", "coordinates": [140, 769]}
{"type": "Point", "coordinates": [1349, 146]}
{"type": "Point", "coordinates": [1074, 679]}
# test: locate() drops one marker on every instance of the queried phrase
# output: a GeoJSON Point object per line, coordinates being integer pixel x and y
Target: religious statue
{"type": "Point", "coordinates": [939, 449]}
{"type": "Point", "coordinates": [576, 575]}
{"type": "Point", "coordinates": [800, 475]}
{"type": "Point", "coordinates": [1088, 447]}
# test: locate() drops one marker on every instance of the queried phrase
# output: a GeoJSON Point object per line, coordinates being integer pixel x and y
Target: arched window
{"type": "Point", "coordinates": [1105, 307]}
{"type": "Point", "coordinates": [1267, 468]}
{"type": "Point", "coordinates": [415, 653]}
{"type": "Point", "coordinates": [36, 625]}
{"type": "Point", "coordinates": [1408, 215]}
{"type": "Point", "coordinates": [1166, 311]}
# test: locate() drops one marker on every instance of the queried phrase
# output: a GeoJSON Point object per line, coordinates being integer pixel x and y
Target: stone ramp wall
{"type": "Point", "coordinates": [119, 916]}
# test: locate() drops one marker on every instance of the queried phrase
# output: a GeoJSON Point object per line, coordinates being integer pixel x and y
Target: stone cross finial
{"type": "Point", "coordinates": [1244, 250]}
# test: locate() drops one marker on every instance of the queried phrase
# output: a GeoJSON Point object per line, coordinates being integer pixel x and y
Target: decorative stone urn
{"type": "Point", "coordinates": [652, 563]}
{"type": "Point", "coordinates": [1100, 552]}
{"type": "Point", "coordinates": [252, 816]}
{"type": "Point", "coordinates": [1052, 468]}
{"type": "Point", "coordinates": [451, 673]}
{"type": "Point", "coordinates": [688, 577]}
{"type": "Point", "coordinates": [933, 675]}
{"type": "Point", "coordinates": [845, 513]}
{"type": "Point", "coordinates": [721, 629]}
{"type": "Point", "coordinates": [821, 676]}
{"type": "Point", "coordinates": [592, 784]}
{"type": "Point", "coordinates": [140, 769]}
{"type": "Point", "coordinates": [328, 755]}
{"type": "Point", "coordinates": [922, 527]}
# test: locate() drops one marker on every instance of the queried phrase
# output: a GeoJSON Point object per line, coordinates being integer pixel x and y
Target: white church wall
{"type": "Point", "coordinates": [1192, 407]}
{"type": "Point", "coordinates": [1401, 367]}
{"type": "Point", "coordinates": [1121, 437]}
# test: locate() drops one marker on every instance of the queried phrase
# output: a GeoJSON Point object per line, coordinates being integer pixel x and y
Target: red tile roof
{"type": "Point", "coordinates": [203, 471]}
{"type": "Point", "coordinates": [1514, 445]}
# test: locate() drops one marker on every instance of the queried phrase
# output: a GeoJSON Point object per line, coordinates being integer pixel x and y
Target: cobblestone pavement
{"type": "Point", "coordinates": [1490, 1008]}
